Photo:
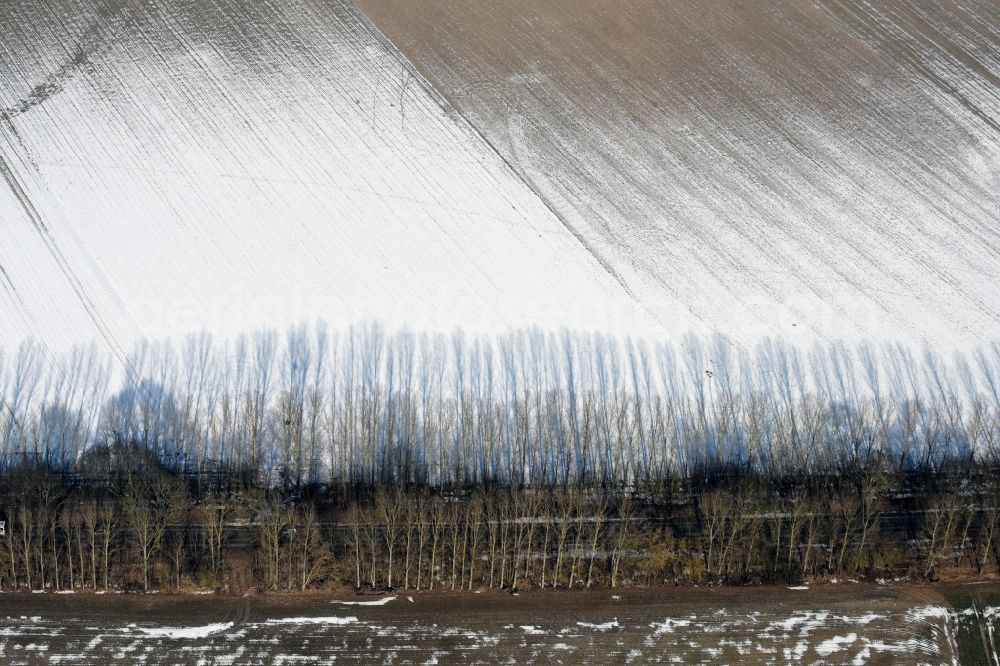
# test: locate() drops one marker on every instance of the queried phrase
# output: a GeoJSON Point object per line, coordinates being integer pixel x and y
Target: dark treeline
{"type": "Point", "coordinates": [391, 460]}
{"type": "Point", "coordinates": [145, 527]}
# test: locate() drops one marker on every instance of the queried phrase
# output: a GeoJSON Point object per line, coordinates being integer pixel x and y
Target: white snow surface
{"type": "Point", "coordinates": [169, 168]}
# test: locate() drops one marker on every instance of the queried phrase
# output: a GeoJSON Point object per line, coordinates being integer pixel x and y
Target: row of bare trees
{"type": "Point", "coordinates": [750, 529]}
{"type": "Point", "coordinates": [143, 531]}
{"type": "Point", "coordinates": [367, 407]}
{"type": "Point", "coordinates": [498, 538]}
{"type": "Point", "coordinates": [385, 459]}
{"type": "Point", "coordinates": [144, 527]}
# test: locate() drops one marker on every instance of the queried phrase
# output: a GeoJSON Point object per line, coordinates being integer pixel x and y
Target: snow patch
{"type": "Point", "coordinates": [184, 632]}
{"type": "Point", "coordinates": [835, 644]}
{"type": "Point", "coordinates": [603, 626]}
{"type": "Point", "coordinates": [665, 627]}
{"type": "Point", "coordinates": [927, 613]}
{"type": "Point", "coordinates": [375, 602]}
{"type": "Point", "coordinates": [331, 619]}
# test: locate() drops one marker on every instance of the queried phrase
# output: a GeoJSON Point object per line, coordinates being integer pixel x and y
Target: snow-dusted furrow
{"type": "Point", "coordinates": [812, 170]}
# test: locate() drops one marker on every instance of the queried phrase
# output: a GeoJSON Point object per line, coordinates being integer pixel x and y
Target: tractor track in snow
{"type": "Point", "coordinates": [67, 270]}
{"type": "Point", "coordinates": [454, 111]}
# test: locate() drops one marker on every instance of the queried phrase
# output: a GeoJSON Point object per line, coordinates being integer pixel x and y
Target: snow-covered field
{"type": "Point", "coordinates": [172, 167]}
{"type": "Point", "coordinates": [809, 172]}
{"type": "Point", "coordinates": [559, 628]}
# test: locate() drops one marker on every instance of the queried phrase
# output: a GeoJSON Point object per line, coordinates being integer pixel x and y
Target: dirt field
{"type": "Point", "coordinates": [845, 623]}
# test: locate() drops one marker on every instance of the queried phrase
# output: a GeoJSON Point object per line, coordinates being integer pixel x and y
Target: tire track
{"type": "Point", "coordinates": [91, 42]}
{"type": "Point", "coordinates": [64, 266]}
{"type": "Point", "coordinates": [453, 111]}
{"type": "Point", "coordinates": [36, 335]}
{"type": "Point", "coordinates": [8, 285]}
